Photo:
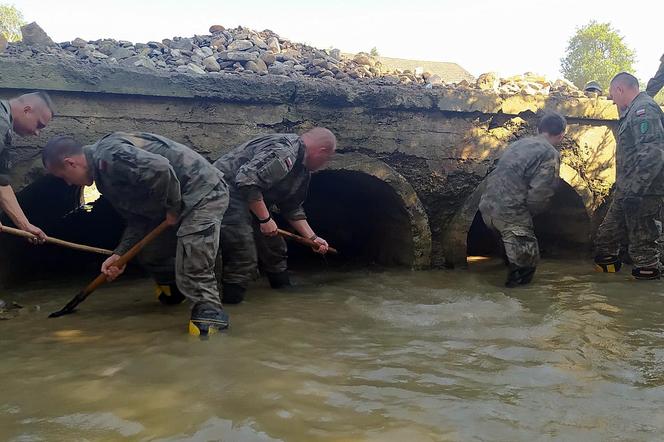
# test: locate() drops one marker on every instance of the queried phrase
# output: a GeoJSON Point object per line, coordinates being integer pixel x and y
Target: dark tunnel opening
{"type": "Point", "coordinates": [563, 230]}
{"type": "Point", "coordinates": [360, 215]}
{"type": "Point", "coordinates": [55, 207]}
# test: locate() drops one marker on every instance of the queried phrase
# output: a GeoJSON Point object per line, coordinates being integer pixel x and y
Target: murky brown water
{"type": "Point", "coordinates": [402, 356]}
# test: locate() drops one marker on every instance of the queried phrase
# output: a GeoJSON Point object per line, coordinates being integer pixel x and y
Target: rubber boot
{"type": "Point", "coordinates": [232, 293]}
{"type": "Point", "coordinates": [279, 280]}
{"type": "Point", "coordinates": [517, 276]}
{"type": "Point", "coordinates": [207, 319]}
{"type": "Point", "coordinates": [169, 294]}
{"type": "Point", "coordinates": [646, 273]}
{"type": "Point", "coordinates": [608, 263]}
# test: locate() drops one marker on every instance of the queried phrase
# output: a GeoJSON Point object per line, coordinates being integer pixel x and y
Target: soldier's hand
{"type": "Point", "coordinates": [111, 270]}
{"type": "Point", "coordinates": [323, 246]}
{"type": "Point", "coordinates": [172, 218]}
{"type": "Point", "coordinates": [269, 228]}
{"type": "Point", "coordinates": [40, 236]}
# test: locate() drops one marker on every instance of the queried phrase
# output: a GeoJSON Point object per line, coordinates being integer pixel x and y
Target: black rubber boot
{"type": "Point", "coordinates": [646, 273]}
{"type": "Point", "coordinates": [279, 280]}
{"type": "Point", "coordinates": [608, 263]}
{"type": "Point", "coordinates": [169, 294]}
{"type": "Point", "coordinates": [232, 293]}
{"type": "Point", "coordinates": [517, 276]}
{"type": "Point", "coordinates": [207, 319]}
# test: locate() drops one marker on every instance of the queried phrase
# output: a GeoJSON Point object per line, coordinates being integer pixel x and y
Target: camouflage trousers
{"type": "Point", "coordinates": [189, 255]}
{"type": "Point", "coordinates": [243, 245]}
{"type": "Point", "coordinates": [637, 229]}
{"type": "Point", "coordinates": [520, 242]}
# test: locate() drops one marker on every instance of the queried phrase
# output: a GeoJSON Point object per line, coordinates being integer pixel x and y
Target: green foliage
{"type": "Point", "coordinates": [596, 52]}
{"type": "Point", "coordinates": [374, 52]}
{"type": "Point", "coordinates": [11, 20]}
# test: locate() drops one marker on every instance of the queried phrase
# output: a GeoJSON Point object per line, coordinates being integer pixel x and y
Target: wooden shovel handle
{"type": "Point", "coordinates": [128, 256]}
{"type": "Point", "coordinates": [302, 240]}
{"type": "Point", "coordinates": [56, 241]}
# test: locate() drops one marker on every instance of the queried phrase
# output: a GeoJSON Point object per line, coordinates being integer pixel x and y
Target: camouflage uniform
{"type": "Point", "coordinates": [6, 135]}
{"type": "Point", "coordinates": [270, 167]}
{"type": "Point", "coordinates": [655, 84]}
{"type": "Point", "coordinates": [143, 176]}
{"type": "Point", "coordinates": [520, 187]}
{"type": "Point", "coordinates": [639, 185]}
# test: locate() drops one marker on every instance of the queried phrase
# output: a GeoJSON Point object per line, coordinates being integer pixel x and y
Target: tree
{"type": "Point", "coordinates": [11, 20]}
{"type": "Point", "coordinates": [596, 52]}
{"type": "Point", "coordinates": [374, 52]}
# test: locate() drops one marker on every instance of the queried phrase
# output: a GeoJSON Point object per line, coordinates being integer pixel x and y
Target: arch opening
{"type": "Point", "coordinates": [360, 215]}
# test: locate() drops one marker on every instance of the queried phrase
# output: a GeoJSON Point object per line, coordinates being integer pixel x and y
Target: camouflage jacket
{"type": "Point", "coordinates": [145, 175]}
{"type": "Point", "coordinates": [6, 135]}
{"type": "Point", "coordinates": [523, 182]}
{"type": "Point", "coordinates": [655, 84]}
{"type": "Point", "coordinates": [270, 167]}
{"type": "Point", "coordinates": [640, 150]}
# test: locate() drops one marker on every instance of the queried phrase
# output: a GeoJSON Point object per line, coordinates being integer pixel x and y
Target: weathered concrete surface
{"type": "Point", "coordinates": [437, 144]}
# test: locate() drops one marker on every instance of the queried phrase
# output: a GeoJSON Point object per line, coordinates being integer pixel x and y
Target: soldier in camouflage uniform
{"type": "Point", "coordinates": [519, 188]}
{"type": "Point", "coordinates": [639, 184]}
{"type": "Point", "coordinates": [24, 115]}
{"type": "Point", "coordinates": [147, 178]}
{"type": "Point", "coordinates": [271, 171]}
{"type": "Point", "coordinates": [655, 84]}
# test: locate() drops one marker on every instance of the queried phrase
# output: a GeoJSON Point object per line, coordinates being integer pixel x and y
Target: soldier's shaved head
{"type": "Point", "coordinates": [31, 112]}
{"type": "Point", "coordinates": [63, 157]}
{"type": "Point", "coordinates": [320, 146]}
{"type": "Point", "coordinates": [626, 80]}
{"type": "Point", "coordinates": [624, 88]}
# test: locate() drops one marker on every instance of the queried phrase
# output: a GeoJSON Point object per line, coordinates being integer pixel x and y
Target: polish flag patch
{"type": "Point", "coordinates": [640, 112]}
{"type": "Point", "coordinates": [289, 163]}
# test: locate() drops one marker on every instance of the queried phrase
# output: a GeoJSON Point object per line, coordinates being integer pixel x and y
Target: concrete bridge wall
{"type": "Point", "coordinates": [410, 159]}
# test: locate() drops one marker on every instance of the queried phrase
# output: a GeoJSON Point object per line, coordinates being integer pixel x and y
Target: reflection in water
{"type": "Point", "coordinates": [399, 356]}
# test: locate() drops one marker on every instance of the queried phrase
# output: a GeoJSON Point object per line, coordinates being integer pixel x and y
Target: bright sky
{"type": "Point", "coordinates": [508, 36]}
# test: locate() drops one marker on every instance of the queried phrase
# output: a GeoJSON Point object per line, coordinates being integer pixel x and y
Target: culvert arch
{"type": "Point", "coordinates": [370, 212]}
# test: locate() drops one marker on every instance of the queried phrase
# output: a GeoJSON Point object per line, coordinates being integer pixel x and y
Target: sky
{"type": "Point", "coordinates": [509, 36]}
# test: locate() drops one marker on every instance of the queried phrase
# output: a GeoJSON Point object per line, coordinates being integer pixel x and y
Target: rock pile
{"type": "Point", "coordinates": [244, 51]}
{"type": "Point", "coordinates": [527, 84]}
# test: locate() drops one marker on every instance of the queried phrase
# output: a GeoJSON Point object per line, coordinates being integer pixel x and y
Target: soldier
{"type": "Point", "coordinates": [519, 188]}
{"type": "Point", "coordinates": [655, 84]}
{"type": "Point", "coordinates": [639, 183]}
{"type": "Point", "coordinates": [147, 178]}
{"type": "Point", "coordinates": [268, 171]}
{"type": "Point", "coordinates": [25, 115]}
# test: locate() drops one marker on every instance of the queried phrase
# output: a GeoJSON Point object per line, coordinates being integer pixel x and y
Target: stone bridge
{"type": "Point", "coordinates": [403, 190]}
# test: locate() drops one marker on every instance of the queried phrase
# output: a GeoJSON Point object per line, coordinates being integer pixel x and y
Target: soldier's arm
{"type": "Point", "coordinates": [136, 229]}
{"type": "Point", "coordinates": [648, 132]}
{"type": "Point", "coordinates": [543, 184]}
{"type": "Point", "coordinates": [655, 84]}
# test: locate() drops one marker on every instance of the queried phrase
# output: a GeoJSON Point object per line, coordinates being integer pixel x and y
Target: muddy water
{"type": "Point", "coordinates": [401, 356]}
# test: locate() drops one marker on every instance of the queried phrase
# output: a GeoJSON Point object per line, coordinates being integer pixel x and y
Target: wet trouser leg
{"type": "Point", "coordinates": [198, 248]}
{"type": "Point", "coordinates": [158, 257]}
{"type": "Point", "coordinates": [237, 243]}
{"type": "Point", "coordinates": [520, 242]}
{"type": "Point", "coordinates": [272, 252]}
{"type": "Point", "coordinates": [638, 228]}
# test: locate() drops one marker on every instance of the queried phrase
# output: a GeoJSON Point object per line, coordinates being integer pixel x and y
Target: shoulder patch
{"type": "Point", "coordinates": [289, 163]}
{"type": "Point", "coordinates": [102, 165]}
{"type": "Point", "coordinates": [640, 112]}
{"type": "Point", "coordinates": [643, 127]}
